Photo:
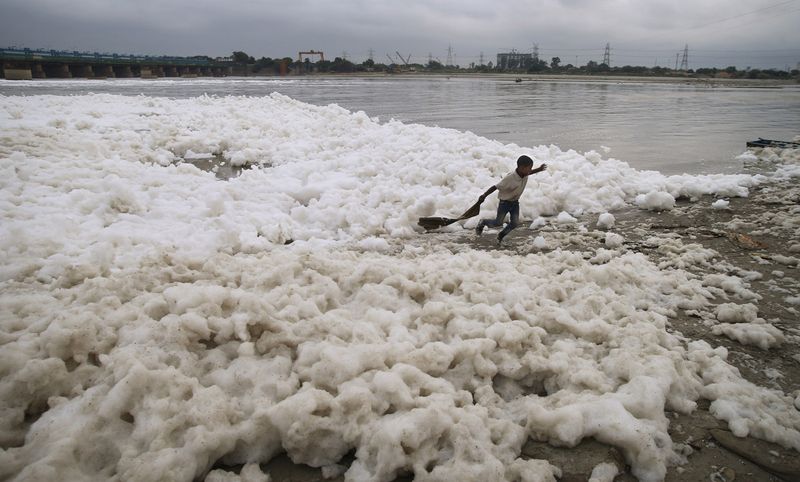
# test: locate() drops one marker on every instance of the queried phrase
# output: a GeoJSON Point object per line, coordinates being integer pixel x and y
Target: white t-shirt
{"type": "Point", "coordinates": [511, 186]}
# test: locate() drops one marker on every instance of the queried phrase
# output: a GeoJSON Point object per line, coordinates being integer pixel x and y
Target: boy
{"type": "Point", "coordinates": [509, 191]}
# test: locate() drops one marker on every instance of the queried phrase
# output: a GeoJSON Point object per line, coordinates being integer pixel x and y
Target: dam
{"type": "Point", "coordinates": [26, 64]}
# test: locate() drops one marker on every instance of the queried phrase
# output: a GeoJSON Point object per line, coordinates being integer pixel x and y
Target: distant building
{"type": "Point", "coordinates": [513, 60]}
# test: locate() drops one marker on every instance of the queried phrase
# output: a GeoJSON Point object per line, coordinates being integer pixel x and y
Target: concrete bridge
{"type": "Point", "coordinates": [24, 64]}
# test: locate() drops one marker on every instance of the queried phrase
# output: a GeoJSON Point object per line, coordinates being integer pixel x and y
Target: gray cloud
{"type": "Point", "coordinates": [640, 32]}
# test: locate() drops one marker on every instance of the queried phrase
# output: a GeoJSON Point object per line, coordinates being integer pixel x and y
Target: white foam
{"type": "Point", "coordinates": [656, 201]}
{"type": "Point", "coordinates": [733, 313]}
{"type": "Point", "coordinates": [538, 222]}
{"type": "Point", "coordinates": [741, 323]}
{"type": "Point", "coordinates": [613, 240]}
{"type": "Point", "coordinates": [763, 335]}
{"type": "Point", "coordinates": [565, 218]}
{"type": "Point", "coordinates": [325, 174]}
{"type": "Point", "coordinates": [155, 323]}
{"type": "Point", "coordinates": [720, 204]}
{"type": "Point", "coordinates": [604, 472]}
{"type": "Point", "coordinates": [605, 221]}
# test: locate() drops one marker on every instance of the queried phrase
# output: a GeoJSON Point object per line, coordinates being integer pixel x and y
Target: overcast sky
{"type": "Point", "coordinates": [757, 33]}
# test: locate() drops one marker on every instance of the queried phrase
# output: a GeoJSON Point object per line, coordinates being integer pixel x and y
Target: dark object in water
{"type": "Point", "coordinates": [431, 223]}
{"type": "Point", "coordinates": [518, 80]}
{"type": "Point", "coordinates": [770, 143]}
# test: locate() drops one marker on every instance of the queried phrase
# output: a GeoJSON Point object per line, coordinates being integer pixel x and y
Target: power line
{"type": "Point", "coordinates": [650, 37]}
{"type": "Point", "coordinates": [708, 50]}
{"type": "Point", "coordinates": [743, 14]}
{"type": "Point", "coordinates": [618, 49]}
{"type": "Point", "coordinates": [695, 55]}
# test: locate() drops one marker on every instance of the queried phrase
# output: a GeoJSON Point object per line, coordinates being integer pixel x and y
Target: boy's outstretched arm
{"type": "Point", "coordinates": [539, 169]}
{"type": "Point", "coordinates": [488, 192]}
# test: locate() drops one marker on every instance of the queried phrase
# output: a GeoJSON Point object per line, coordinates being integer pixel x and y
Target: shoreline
{"type": "Point", "coordinates": [500, 77]}
{"type": "Point", "coordinates": [571, 78]}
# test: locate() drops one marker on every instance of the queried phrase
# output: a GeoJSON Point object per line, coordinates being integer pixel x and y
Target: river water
{"type": "Point", "coordinates": [671, 127]}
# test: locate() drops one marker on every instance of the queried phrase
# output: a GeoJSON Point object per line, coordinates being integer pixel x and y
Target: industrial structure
{"type": "Point", "coordinates": [311, 53]}
{"type": "Point", "coordinates": [308, 55]}
{"type": "Point", "coordinates": [513, 60]}
{"type": "Point", "coordinates": [21, 64]}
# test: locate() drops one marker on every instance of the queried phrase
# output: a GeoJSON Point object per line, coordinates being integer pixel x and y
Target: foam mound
{"type": "Point", "coordinates": [155, 325]}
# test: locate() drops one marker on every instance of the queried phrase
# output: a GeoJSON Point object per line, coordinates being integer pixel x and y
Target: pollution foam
{"type": "Point", "coordinates": [157, 321]}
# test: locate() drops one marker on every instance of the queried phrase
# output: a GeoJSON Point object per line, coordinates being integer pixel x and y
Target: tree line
{"type": "Point", "coordinates": [277, 66]}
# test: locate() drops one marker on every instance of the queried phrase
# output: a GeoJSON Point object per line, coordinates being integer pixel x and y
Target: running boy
{"type": "Point", "coordinates": [509, 191]}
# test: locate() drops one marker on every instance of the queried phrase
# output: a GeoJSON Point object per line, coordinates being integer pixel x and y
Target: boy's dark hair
{"type": "Point", "coordinates": [524, 161]}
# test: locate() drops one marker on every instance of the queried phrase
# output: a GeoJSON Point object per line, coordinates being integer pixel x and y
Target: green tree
{"type": "Point", "coordinates": [341, 65]}
{"type": "Point", "coordinates": [266, 64]}
{"type": "Point", "coordinates": [434, 65]}
{"type": "Point", "coordinates": [242, 58]}
{"type": "Point", "coordinates": [536, 65]}
{"type": "Point", "coordinates": [324, 65]}
{"type": "Point", "coordinates": [555, 62]}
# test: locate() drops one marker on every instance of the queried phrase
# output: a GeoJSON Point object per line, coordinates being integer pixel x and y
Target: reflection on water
{"type": "Point", "coordinates": [674, 128]}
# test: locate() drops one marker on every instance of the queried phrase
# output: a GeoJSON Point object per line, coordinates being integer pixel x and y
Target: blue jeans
{"type": "Point", "coordinates": [505, 207]}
